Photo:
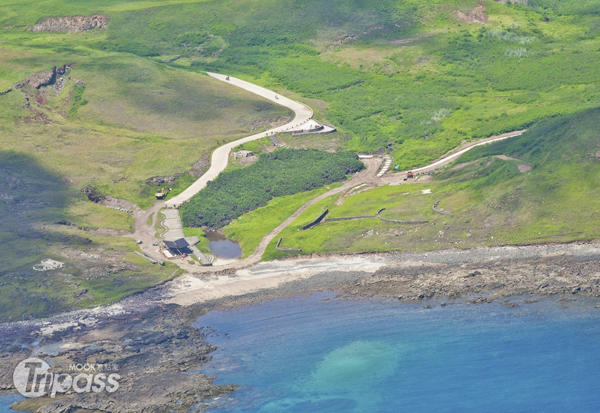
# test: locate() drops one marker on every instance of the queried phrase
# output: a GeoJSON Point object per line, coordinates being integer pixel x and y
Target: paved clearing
{"type": "Point", "coordinates": [173, 224]}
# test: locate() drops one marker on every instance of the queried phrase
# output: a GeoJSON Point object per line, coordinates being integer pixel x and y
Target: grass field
{"type": "Point", "coordinates": [249, 229]}
{"type": "Point", "coordinates": [141, 120]}
{"type": "Point", "coordinates": [118, 120]}
{"type": "Point", "coordinates": [455, 81]}
{"type": "Point", "coordinates": [492, 201]}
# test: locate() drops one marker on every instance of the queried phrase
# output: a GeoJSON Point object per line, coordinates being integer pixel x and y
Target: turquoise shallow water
{"type": "Point", "coordinates": [6, 400]}
{"type": "Point", "coordinates": [315, 354]}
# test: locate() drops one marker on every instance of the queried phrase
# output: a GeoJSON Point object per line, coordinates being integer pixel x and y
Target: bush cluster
{"type": "Point", "coordinates": [276, 174]}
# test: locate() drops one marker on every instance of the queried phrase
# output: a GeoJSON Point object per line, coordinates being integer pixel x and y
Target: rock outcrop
{"type": "Point", "coordinates": [523, 2]}
{"type": "Point", "coordinates": [162, 180]}
{"type": "Point", "coordinates": [477, 15]}
{"type": "Point", "coordinates": [71, 24]}
{"type": "Point", "coordinates": [93, 194]}
{"type": "Point", "coordinates": [44, 78]}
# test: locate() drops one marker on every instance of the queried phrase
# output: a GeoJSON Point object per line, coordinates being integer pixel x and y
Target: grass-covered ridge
{"type": "Point", "coordinates": [407, 73]}
{"type": "Point", "coordinates": [539, 187]}
{"type": "Point", "coordinates": [123, 119]}
{"type": "Point", "coordinates": [277, 174]}
{"type": "Point", "coordinates": [249, 229]}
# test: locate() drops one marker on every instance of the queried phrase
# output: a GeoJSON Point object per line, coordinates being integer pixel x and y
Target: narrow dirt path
{"type": "Point", "coordinates": [220, 158]}
{"type": "Point", "coordinates": [367, 176]}
{"type": "Point", "coordinates": [455, 153]}
{"type": "Point", "coordinates": [146, 233]}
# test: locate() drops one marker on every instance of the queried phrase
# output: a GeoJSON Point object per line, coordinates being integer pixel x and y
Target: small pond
{"type": "Point", "coordinates": [222, 247]}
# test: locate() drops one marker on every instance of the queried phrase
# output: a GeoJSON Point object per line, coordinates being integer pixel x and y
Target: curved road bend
{"type": "Point", "coordinates": [220, 156]}
{"type": "Point", "coordinates": [366, 176]}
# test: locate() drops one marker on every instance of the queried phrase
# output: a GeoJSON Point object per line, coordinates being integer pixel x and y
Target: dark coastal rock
{"type": "Point", "coordinates": [152, 350]}
{"type": "Point", "coordinates": [479, 300]}
{"type": "Point", "coordinates": [155, 345]}
{"type": "Point", "coordinates": [454, 274]}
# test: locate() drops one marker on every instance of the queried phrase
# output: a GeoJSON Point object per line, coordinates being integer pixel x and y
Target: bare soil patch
{"type": "Point", "coordinates": [505, 158]}
{"type": "Point", "coordinates": [524, 168]}
{"type": "Point", "coordinates": [477, 15]}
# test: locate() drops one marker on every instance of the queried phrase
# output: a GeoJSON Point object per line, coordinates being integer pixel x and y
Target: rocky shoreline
{"type": "Point", "coordinates": [158, 351]}
{"type": "Point", "coordinates": [476, 276]}
{"type": "Point", "coordinates": [155, 353]}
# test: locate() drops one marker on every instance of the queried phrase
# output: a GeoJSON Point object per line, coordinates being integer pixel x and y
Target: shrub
{"type": "Point", "coordinates": [276, 174]}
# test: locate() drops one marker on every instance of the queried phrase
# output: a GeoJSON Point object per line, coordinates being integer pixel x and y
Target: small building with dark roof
{"type": "Point", "coordinates": [178, 246]}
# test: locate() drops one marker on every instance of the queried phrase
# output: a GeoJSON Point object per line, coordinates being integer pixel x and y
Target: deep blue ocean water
{"type": "Point", "coordinates": [316, 354]}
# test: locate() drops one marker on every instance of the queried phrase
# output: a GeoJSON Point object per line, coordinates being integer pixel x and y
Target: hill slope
{"type": "Point", "coordinates": [112, 123]}
{"type": "Point", "coordinates": [421, 76]}
{"type": "Point", "coordinates": [538, 187]}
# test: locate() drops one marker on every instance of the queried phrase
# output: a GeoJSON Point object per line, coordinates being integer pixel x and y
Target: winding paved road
{"type": "Point", "coordinates": [220, 156]}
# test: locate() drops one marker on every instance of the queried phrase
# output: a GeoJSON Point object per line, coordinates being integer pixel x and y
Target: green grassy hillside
{"type": "Point", "coordinates": [417, 77]}
{"type": "Point", "coordinates": [43, 217]}
{"type": "Point", "coordinates": [116, 121]}
{"type": "Point", "coordinates": [123, 119]}
{"type": "Point", "coordinates": [408, 73]}
{"type": "Point", "coordinates": [539, 187]}
{"type": "Point", "coordinates": [453, 81]}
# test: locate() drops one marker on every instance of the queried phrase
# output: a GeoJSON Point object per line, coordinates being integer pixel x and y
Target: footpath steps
{"type": "Point", "coordinates": [205, 259]}
{"type": "Point", "coordinates": [387, 162]}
